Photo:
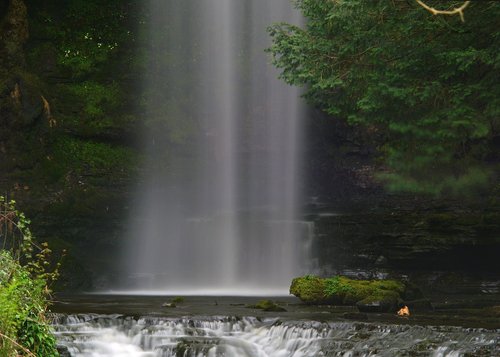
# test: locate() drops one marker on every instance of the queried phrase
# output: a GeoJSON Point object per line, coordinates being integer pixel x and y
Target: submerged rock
{"type": "Point", "coordinates": [197, 346]}
{"type": "Point", "coordinates": [355, 316]}
{"type": "Point", "coordinates": [367, 295]}
{"type": "Point", "coordinates": [63, 351]}
{"type": "Point", "coordinates": [377, 305]}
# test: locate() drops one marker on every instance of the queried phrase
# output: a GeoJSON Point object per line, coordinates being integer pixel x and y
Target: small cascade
{"type": "Point", "coordinates": [115, 335]}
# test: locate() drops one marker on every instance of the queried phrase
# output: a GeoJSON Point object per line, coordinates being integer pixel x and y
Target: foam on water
{"type": "Point", "coordinates": [103, 336]}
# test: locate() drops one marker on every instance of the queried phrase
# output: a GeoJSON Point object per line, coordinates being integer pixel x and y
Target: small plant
{"type": "Point", "coordinates": [177, 300]}
{"type": "Point", "coordinates": [335, 286]}
{"type": "Point", "coordinates": [25, 277]}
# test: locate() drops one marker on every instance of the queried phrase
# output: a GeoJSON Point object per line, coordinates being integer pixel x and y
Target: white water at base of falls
{"type": "Point", "coordinates": [117, 336]}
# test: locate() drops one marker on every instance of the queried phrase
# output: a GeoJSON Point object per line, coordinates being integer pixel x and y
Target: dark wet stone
{"type": "Point", "coordinates": [355, 316]}
{"type": "Point", "coordinates": [63, 351]}
{"type": "Point", "coordinates": [376, 305]}
{"type": "Point", "coordinates": [419, 305]}
{"type": "Point", "coordinates": [412, 292]}
{"type": "Point", "coordinates": [381, 261]}
{"type": "Point", "coordinates": [196, 346]}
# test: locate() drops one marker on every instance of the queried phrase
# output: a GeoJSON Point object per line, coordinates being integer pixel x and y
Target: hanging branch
{"type": "Point", "coordinates": [458, 10]}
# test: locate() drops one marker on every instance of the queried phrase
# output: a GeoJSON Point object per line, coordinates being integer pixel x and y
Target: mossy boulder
{"type": "Point", "coordinates": [267, 305]}
{"type": "Point", "coordinates": [367, 295]}
{"type": "Point", "coordinates": [310, 289]}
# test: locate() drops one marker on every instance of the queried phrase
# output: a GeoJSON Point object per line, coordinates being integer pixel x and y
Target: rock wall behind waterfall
{"type": "Point", "coordinates": [82, 207]}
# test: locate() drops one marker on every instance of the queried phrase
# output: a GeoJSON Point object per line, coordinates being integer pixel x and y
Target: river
{"type": "Point", "coordinates": [116, 325]}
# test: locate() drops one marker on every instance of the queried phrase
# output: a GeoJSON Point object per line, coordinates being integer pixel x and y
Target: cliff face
{"type": "Point", "coordinates": [24, 112]}
{"type": "Point", "coordinates": [13, 34]}
{"type": "Point", "coordinates": [70, 178]}
{"type": "Point", "coordinates": [444, 249]}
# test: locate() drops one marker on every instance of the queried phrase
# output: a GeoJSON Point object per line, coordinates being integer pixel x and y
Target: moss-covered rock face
{"type": "Point", "coordinates": [368, 295]}
{"type": "Point", "coordinates": [68, 118]}
{"type": "Point", "coordinates": [309, 289]}
{"type": "Point", "coordinates": [13, 33]}
{"type": "Point", "coordinates": [442, 246]}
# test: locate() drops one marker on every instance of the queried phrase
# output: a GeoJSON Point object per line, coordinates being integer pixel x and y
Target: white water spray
{"type": "Point", "coordinates": [115, 336]}
{"type": "Point", "coordinates": [218, 209]}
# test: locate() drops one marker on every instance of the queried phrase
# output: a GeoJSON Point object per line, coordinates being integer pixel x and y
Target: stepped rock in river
{"type": "Point", "coordinates": [114, 335]}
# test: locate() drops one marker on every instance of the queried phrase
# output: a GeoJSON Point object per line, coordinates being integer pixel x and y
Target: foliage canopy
{"type": "Point", "coordinates": [426, 87]}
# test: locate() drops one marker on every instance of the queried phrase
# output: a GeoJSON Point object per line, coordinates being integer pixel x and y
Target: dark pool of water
{"type": "Point", "coordinates": [469, 313]}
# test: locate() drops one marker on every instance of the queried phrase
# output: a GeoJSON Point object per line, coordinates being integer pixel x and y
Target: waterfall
{"type": "Point", "coordinates": [218, 208]}
{"type": "Point", "coordinates": [115, 336]}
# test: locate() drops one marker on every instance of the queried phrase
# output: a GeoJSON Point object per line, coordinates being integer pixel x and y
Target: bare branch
{"type": "Point", "coordinates": [458, 10]}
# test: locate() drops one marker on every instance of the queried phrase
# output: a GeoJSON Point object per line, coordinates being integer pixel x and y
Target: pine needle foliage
{"type": "Point", "coordinates": [429, 86]}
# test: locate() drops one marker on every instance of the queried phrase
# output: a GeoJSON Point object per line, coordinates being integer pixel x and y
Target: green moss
{"type": "Point", "coordinates": [339, 289]}
{"type": "Point", "coordinates": [96, 155]}
{"type": "Point", "coordinates": [177, 300]}
{"type": "Point", "coordinates": [309, 288]}
{"type": "Point", "coordinates": [338, 285]}
{"type": "Point", "coordinates": [81, 201]}
{"type": "Point", "coordinates": [97, 98]}
{"type": "Point", "coordinates": [89, 156]}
